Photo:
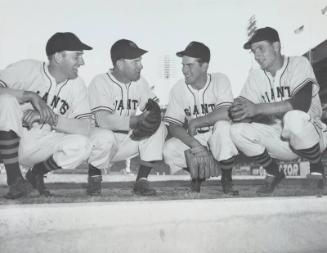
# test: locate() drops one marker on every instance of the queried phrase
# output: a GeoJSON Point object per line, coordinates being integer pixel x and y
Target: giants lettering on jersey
{"type": "Point", "coordinates": [205, 109]}
{"type": "Point", "coordinates": [276, 94]}
{"type": "Point", "coordinates": [64, 106]}
{"type": "Point", "coordinates": [131, 104]}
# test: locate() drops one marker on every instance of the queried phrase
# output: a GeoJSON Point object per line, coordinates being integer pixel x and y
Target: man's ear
{"type": "Point", "coordinates": [205, 66]}
{"type": "Point", "coordinates": [120, 63]}
{"type": "Point", "coordinates": [277, 46]}
{"type": "Point", "coordinates": [57, 57]}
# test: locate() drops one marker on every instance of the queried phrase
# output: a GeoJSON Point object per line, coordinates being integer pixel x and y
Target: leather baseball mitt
{"type": "Point", "coordinates": [201, 163]}
{"type": "Point", "coordinates": [148, 123]}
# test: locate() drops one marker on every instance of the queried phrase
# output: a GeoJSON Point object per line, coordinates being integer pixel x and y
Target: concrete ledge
{"type": "Point", "coordinates": [82, 178]}
{"type": "Point", "coordinates": [221, 225]}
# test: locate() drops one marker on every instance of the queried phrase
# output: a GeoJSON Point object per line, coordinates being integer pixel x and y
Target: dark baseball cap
{"type": "Point", "coordinates": [266, 33]}
{"type": "Point", "coordinates": [125, 49]}
{"type": "Point", "coordinates": [196, 50]}
{"type": "Point", "coordinates": [65, 42]}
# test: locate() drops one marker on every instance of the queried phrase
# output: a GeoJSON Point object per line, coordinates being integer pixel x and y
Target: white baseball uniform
{"type": "Point", "coordinates": [68, 99]}
{"type": "Point", "coordinates": [299, 129]}
{"type": "Point", "coordinates": [186, 103]}
{"type": "Point", "coordinates": [106, 93]}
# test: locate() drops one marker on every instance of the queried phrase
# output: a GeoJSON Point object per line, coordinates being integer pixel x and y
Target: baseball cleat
{"type": "Point", "coordinates": [142, 187]}
{"type": "Point", "coordinates": [94, 185]}
{"type": "Point", "coordinates": [20, 188]}
{"type": "Point", "coordinates": [37, 181]}
{"type": "Point", "coordinates": [270, 183]}
{"type": "Point", "coordinates": [228, 187]}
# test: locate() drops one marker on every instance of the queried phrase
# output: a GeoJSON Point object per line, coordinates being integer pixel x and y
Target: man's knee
{"type": "Point", "coordinates": [72, 151]}
{"type": "Point", "coordinates": [79, 145]}
{"type": "Point", "coordinates": [102, 138]}
{"type": "Point", "coordinates": [222, 128]}
{"type": "Point", "coordinates": [295, 121]}
{"type": "Point", "coordinates": [237, 131]}
{"type": "Point", "coordinates": [172, 157]}
{"type": "Point", "coordinates": [299, 130]}
{"type": "Point", "coordinates": [221, 143]}
{"type": "Point", "coordinates": [8, 100]}
{"type": "Point", "coordinates": [8, 103]}
{"type": "Point", "coordinates": [10, 114]}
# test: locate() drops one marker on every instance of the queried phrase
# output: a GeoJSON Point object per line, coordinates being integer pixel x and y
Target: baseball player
{"type": "Point", "coordinates": [279, 111]}
{"type": "Point", "coordinates": [197, 114]}
{"type": "Point", "coordinates": [45, 118]}
{"type": "Point", "coordinates": [115, 97]}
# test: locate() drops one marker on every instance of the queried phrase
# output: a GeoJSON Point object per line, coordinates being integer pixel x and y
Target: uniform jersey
{"type": "Point", "coordinates": [68, 98]}
{"type": "Point", "coordinates": [106, 93]}
{"type": "Point", "coordinates": [296, 72]}
{"type": "Point", "coordinates": [186, 103]}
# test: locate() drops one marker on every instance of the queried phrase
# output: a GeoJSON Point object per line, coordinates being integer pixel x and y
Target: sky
{"type": "Point", "coordinates": [161, 27]}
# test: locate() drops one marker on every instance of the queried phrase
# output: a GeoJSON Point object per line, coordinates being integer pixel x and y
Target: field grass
{"type": "Point", "coordinates": [166, 190]}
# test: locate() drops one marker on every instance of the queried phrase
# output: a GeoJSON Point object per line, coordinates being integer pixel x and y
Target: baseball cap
{"type": "Point", "coordinates": [125, 49]}
{"type": "Point", "coordinates": [266, 33]}
{"type": "Point", "coordinates": [196, 50]}
{"type": "Point", "coordinates": [65, 42]}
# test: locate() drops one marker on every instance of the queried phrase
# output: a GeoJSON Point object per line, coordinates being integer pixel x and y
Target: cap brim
{"type": "Point", "coordinates": [79, 47]}
{"type": "Point", "coordinates": [247, 45]}
{"type": "Point", "coordinates": [85, 47]}
{"type": "Point", "coordinates": [181, 53]}
{"type": "Point", "coordinates": [136, 53]}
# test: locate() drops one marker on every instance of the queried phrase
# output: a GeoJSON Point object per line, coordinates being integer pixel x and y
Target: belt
{"type": "Point", "coordinates": [203, 131]}
{"type": "Point", "coordinates": [121, 131]}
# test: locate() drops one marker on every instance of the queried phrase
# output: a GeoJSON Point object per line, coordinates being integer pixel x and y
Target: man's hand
{"type": "Point", "coordinates": [46, 113]}
{"type": "Point", "coordinates": [242, 110]}
{"type": "Point", "coordinates": [191, 127]}
{"type": "Point", "coordinates": [30, 116]}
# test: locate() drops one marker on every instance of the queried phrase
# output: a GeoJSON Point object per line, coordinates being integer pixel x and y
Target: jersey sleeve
{"type": "Point", "coordinates": [175, 112]}
{"type": "Point", "coordinates": [146, 94]}
{"type": "Point", "coordinates": [100, 95]}
{"type": "Point", "coordinates": [80, 106]}
{"type": "Point", "coordinates": [17, 75]}
{"type": "Point", "coordinates": [223, 92]}
{"type": "Point", "coordinates": [249, 90]}
{"type": "Point", "coordinates": [301, 75]}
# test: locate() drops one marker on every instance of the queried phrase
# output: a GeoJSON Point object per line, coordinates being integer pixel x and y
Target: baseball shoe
{"type": "Point", "coordinates": [20, 188]}
{"type": "Point", "coordinates": [196, 185]}
{"type": "Point", "coordinates": [37, 181]}
{"type": "Point", "coordinates": [94, 185]}
{"type": "Point", "coordinates": [142, 187]}
{"type": "Point", "coordinates": [228, 187]}
{"type": "Point", "coordinates": [270, 183]}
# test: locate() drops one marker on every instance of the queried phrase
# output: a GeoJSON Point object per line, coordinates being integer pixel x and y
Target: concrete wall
{"type": "Point", "coordinates": [222, 225]}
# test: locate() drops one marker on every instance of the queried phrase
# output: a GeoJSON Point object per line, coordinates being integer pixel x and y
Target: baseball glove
{"type": "Point", "coordinates": [201, 163]}
{"type": "Point", "coordinates": [149, 122]}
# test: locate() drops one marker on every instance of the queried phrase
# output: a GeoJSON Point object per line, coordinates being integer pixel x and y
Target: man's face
{"type": "Point", "coordinates": [193, 70]}
{"type": "Point", "coordinates": [71, 61]}
{"type": "Point", "coordinates": [265, 53]}
{"type": "Point", "coordinates": [131, 69]}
